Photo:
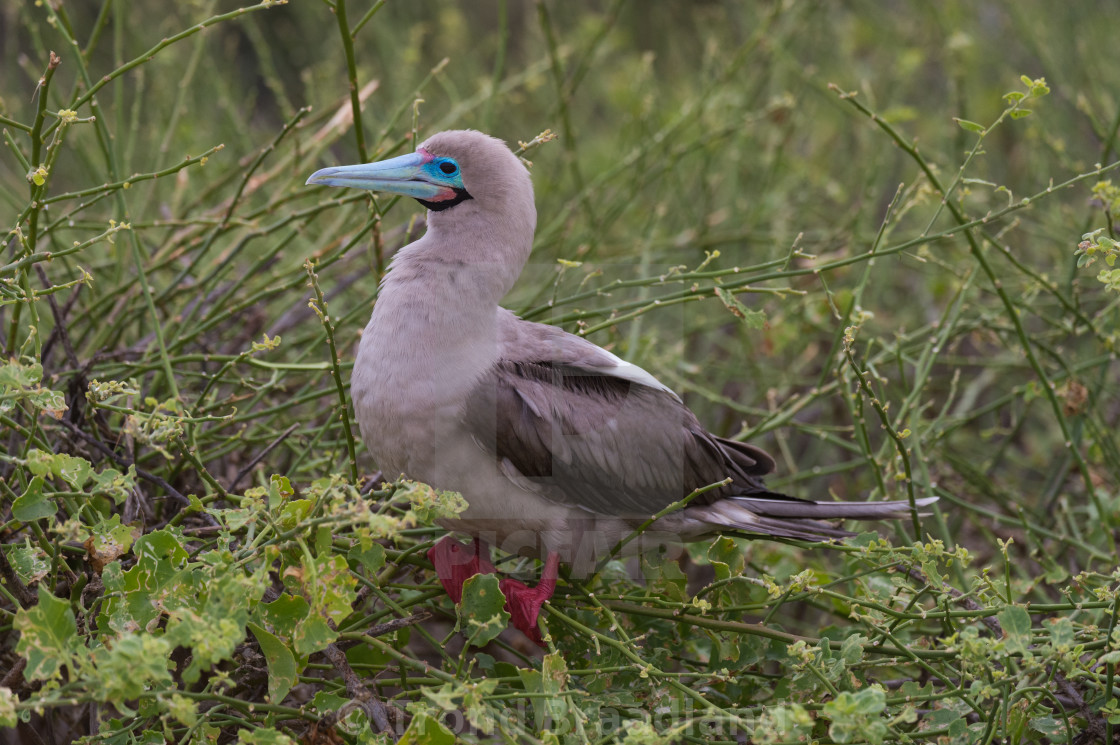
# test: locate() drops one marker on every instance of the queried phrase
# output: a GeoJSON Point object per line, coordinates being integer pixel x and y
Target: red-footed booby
{"type": "Point", "coordinates": [560, 448]}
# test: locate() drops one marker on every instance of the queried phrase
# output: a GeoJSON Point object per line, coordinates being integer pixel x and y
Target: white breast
{"type": "Point", "coordinates": [414, 369]}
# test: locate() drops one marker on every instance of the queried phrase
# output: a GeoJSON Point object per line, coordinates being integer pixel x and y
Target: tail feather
{"type": "Point", "coordinates": [786, 518]}
{"type": "Point", "coordinates": [771, 507]}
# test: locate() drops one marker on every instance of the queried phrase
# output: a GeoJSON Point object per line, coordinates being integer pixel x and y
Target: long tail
{"type": "Point", "coordinates": [783, 517]}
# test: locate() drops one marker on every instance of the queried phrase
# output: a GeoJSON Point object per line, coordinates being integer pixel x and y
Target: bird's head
{"type": "Point", "coordinates": [448, 169]}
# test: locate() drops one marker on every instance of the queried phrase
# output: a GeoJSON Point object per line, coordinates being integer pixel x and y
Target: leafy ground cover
{"type": "Point", "coordinates": [877, 240]}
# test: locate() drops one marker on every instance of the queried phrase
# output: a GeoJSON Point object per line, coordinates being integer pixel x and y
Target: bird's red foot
{"type": "Point", "coordinates": [456, 562]}
{"type": "Point", "coordinates": [524, 602]}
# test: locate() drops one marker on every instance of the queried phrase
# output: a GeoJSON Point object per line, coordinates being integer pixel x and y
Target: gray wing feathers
{"type": "Point", "coordinates": [523, 341]}
{"type": "Point", "coordinates": [604, 443]}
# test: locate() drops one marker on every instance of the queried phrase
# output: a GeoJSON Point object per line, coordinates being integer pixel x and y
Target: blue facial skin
{"type": "Point", "coordinates": [419, 175]}
{"type": "Point", "coordinates": [444, 171]}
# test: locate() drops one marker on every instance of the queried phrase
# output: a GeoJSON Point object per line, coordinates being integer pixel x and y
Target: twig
{"type": "Point", "coordinates": [15, 674]}
{"type": "Point", "coordinates": [961, 599]}
{"type": "Point", "coordinates": [387, 628]}
{"type": "Point", "coordinates": [319, 305]}
{"type": "Point", "coordinates": [371, 705]}
{"type": "Point", "coordinates": [125, 462]}
{"type": "Point", "coordinates": [260, 456]}
{"type": "Point", "coordinates": [59, 331]}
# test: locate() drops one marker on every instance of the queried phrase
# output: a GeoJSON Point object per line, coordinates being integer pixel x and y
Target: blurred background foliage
{"type": "Point", "coordinates": [708, 210]}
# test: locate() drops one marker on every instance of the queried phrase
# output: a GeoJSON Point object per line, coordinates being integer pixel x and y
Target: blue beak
{"type": "Point", "coordinates": [404, 175]}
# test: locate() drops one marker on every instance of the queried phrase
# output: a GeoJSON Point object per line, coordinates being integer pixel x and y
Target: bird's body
{"type": "Point", "coordinates": [560, 448]}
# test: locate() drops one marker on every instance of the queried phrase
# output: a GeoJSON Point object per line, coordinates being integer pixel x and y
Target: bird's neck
{"type": "Point", "coordinates": [468, 259]}
{"type": "Point", "coordinates": [442, 291]}
{"type": "Point", "coordinates": [447, 285]}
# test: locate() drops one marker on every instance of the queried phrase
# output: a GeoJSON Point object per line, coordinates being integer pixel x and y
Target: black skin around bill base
{"type": "Point", "coordinates": [461, 195]}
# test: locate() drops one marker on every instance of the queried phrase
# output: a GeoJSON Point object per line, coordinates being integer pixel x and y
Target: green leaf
{"type": "Point", "coordinates": [263, 736]}
{"type": "Point", "coordinates": [290, 618]}
{"type": "Point", "coordinates": [970, 126]}
{"type": "Point", "coordinates": [479, 712]}
{"type": "Point", "coordinates": [1016, 623]}
{"type": "Point", "coordinates": [727, 558]}
{"type": "Point", "coordinates": [554, 678]}
{"type": "Point", "coordinates": [114, 484]}
{"type": "Point", "coordinates": [1110, 658]}
{"type": "Point", "coordinates": [946, 717]}
{"type": "Point", "coordinates": [644, 733]}
{"type": "Point", "coordinates": [110, 540]}
{"type": "Point", "coordinates": [33, 504]}
{"type": "Point", "coordinates": [1055, 729]}
{"type": "Point", "coordinates": [1061, 633]}
{"type": "Point", "coordinates": [855, 716]}
{"type": "Point", "coordinates": [424, 730]}
{"type": "Point", "coordinates": [782, 722]}
{"type": "Point", "coordinates": [482, 613]}
{"type": "Point", "coordinates": [325, 701]}
{"type": "Point", "coordinates": [851, 651]}
{"type": "Point", "coordinates": [15, 375]}
{"type": "Point", "coordinates": [209, 613]}
{"type": "Point", "coordinates": [1038, 87]}
{"type": "Point", "coordinates": [313, 635]}
{"type": "Point", "coordinates": [430, 504]}
{"type": "Point", "coordinates": [8, 716]}
{"type": "Point", "coordinates": [73, 470]}
{"type": "Point", "coordinates": [39, 462]}
{"type": "Point", "coordinates": [183, 709]}
{"type": "Point", "coordinates": [870, 701]}
{"type": "Point", "coordinates": [330, 587]}
{"type": "Point", "coordinates": [1020, 113]}
{"type": "Point", "coordinates": [134, 664]}
{"type": "Point", "coordinates": [283, 615]}
{"type": "Point", "coordinates": [30, 562]}
{"type": "Point", "coordinates": [279, 491]}
{"type": "Point", "coordinates": [371, 556]}
{"type": "Point", "coordinates": [665, 575]}
{"type": "Point", "coordinates": [550, 680]}
{"type": "Point", "coordinates": [470, 698]}
{"type": "Point", "coordinates": [24, 381]}
{"type": "Point", "coordinates": [137, 598]}
{"type": "Point", "coordinates": [52, 403]}
{"type": "Point", "coordinates": [162, 544]}
{"type": "Point", "coordinates": [48, 636]}
{"type": "Point", "coordinates": [293, 513]}
{"type": "Point", "coordinates": [282, 671]}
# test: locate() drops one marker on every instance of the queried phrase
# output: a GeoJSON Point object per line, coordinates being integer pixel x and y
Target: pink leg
{"type": "Point", "coordinates": [524, 602]}
{"type": "Point", "coordinates": [456, 562]}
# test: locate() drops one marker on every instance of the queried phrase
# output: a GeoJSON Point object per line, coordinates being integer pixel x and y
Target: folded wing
{"type": "Point", "coordinates": [576, 424]}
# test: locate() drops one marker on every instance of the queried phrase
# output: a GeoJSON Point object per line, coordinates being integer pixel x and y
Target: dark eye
{"type": "Point", "coordinates": [448, 167]}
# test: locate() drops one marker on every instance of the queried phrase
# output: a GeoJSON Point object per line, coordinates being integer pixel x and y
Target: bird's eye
{"type": "Point", "coordinates": [448, 167]}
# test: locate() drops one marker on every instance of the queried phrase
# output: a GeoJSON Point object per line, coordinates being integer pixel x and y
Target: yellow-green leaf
{"type": "Point", "coordinates": [482, 614]}
{"type": "Point", "coordinates": [282, 671]}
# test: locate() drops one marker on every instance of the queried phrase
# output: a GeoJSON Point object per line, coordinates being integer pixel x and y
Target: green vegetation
{"type": "Point", "coordinates": [877, 239]}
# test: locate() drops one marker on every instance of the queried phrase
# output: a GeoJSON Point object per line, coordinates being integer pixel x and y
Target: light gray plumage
{"type": "Point", "coordinates": [557, 444]}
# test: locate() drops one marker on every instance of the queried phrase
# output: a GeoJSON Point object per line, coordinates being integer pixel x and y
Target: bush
{"type": "Point", "coordinates": [877, 241]}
